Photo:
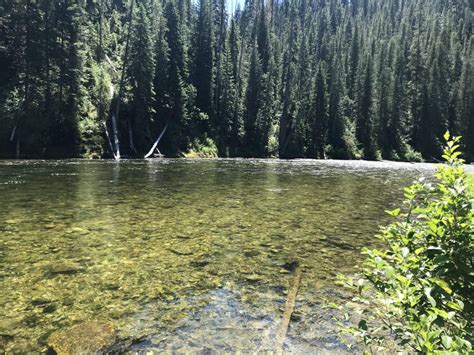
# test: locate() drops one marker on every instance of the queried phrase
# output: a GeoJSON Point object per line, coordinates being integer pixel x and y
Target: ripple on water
{"type": "Point", "coordinates": [185, 254]}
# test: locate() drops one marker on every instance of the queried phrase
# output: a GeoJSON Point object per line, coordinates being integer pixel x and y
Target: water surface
{"type": "Point", "coordinates": [185, 254]}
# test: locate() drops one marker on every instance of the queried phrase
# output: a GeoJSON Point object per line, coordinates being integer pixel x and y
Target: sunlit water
{"type": "Point", "coordinates": [182, 254]}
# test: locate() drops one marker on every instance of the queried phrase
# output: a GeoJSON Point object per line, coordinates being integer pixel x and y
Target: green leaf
{"type": "Point", "coordinates": [446, 340]}
{"type": "Point", "coordinates": [442, 284]}
{"type": "Point", "coordinates": [420, 250]}
{"type": "Point", "coordinates": [431, 300]}
{"type": "Point", "coordinates": [440, 312]}
{"type": "Point", "coordinates": [454, 306]}
{"type": "Point", "coordinates": [394, 213]}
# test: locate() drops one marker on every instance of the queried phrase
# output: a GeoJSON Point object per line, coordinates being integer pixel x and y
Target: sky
{"type": "Point", "coordinates": [232, 4]}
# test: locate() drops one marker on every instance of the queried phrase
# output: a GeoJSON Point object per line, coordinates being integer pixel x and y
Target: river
{"type": "Point", "coordinates": [186, 255]}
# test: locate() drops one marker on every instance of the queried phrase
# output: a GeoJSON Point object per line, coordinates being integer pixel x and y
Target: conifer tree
{"type": "Point", "coordinates": [203, 70]}
{"type": "Point", "coordinates": [365, 121]}
{"type": "Point", "coordinates": [320, 113]}
{"type": "Point", "coordinates": [252, 102]}
{"type": "Point", "coordinates": [465, 102]}
{"type": "Point", "coordinates": [141, 69]}
{"type": "Point", "coordinates": [177, 74]}
{"type": "Point", "coordinates": [397, 75]}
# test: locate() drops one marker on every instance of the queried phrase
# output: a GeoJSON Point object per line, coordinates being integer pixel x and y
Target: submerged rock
{"type": "Point", "coordinates": [290, 266]}
{"type": "Point", "coordinates": [199, 263]}
{"type": "Point", "coordinates": [251, 253]}
{"type": "Point", "coordinates": [64, 268]}
{"type": "Point", "coordinates": [77, 230]}
{"type": "Point", "coordinates": [6, 328]}
{"type": "Point", "coordinates": [40, 301]}
{"type": "Point", "coordinates": [50, 308]}
{"type": "Point", "coordinates": [181, 252]}
{"type": "Point", "coordinates": [84, 338]}
{"type": "Point", "coordinates": [253, 278]}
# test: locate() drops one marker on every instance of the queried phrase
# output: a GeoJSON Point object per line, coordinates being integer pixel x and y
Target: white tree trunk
{"type": "Point", "coordinates": [156, 143]}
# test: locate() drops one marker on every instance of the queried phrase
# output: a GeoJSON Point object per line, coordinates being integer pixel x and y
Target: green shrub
{"type": "Point", "coordinates": [203, 148]}
{"type": "Point", "coordinates": [412, 155]}
{"type": "Point", "coordinates": [393, 155]}
{"type": "Point", "coordinates": [418, 293]}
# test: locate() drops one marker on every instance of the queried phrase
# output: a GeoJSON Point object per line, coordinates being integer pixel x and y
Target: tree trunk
{"type": "Point", "coordinates": [116, 116]}
{"type": "Point", "coordinates": [156, 143]}
{"type": "Point", "coordinates": [130, 136]}
{"type": "Point", "coordinates": [106, 131]}
{"type": "Point", "coordinates": [116, 138]}
{"type": "Point", "coordinates": [17, 149]}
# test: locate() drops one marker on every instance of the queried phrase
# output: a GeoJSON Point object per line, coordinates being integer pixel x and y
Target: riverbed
{"type": "Point", "coordinates": [186, 255]}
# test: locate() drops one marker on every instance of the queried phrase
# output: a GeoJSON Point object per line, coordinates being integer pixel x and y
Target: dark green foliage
{"type": "Point", "coordinates": [366, 119]}
{"type": "Point", "coordinates": [418, 292]}
{"type": "Point", "coordinates": [177, 75]}
{"type": "Point", "coordinates": [333, 78]}
{"type": "Point", "coordinates": [465, 101]}
{"type": "Point", "coordinates": [141, 69]}
{"type": "Point", "coordinates": [203, 70]}
{"type": "Point", "coordinates": [252, 105]}
{"type": "Point", "coordinates": [320, 113]}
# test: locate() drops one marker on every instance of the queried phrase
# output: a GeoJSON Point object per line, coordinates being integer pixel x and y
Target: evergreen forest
{"type": "Point", "coordinates": [340, 79]}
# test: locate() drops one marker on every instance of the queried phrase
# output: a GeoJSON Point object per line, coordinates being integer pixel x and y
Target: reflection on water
{"type": "Point", "coordinates": [183, 254]}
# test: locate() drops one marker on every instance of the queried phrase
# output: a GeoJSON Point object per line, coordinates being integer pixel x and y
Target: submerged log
{"type": "Point", "coordinates": [289, 308]}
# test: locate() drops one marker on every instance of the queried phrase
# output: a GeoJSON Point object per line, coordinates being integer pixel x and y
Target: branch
{"type": "Point", "coordinates": [289, 308]}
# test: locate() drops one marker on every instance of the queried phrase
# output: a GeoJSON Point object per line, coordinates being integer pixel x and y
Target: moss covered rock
{"type": "Point", "coordinates": [84, 338]}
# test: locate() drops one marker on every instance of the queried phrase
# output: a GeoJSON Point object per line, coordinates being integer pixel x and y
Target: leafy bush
{"type": "Point", "coordinates": [418, 292]}
{"type": "Point", "coordinates": [393, 155]}
{"type": "Point", "coordinates": [203, 148]}
{"type": "Point", "coordinates": [471, 184]}
{"type": "Point", "coordinates": [412, 155]}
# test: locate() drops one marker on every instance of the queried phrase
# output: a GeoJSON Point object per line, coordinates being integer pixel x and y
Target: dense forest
{"type": "Point", "coordinates": [343, 79]}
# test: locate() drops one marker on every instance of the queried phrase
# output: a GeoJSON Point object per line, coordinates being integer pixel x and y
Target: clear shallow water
{"type": "Point", "coordinates": [184, 254]}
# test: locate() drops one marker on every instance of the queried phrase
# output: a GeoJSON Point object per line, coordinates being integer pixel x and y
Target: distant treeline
{"type": "Point", "coordinates": [290, 78]}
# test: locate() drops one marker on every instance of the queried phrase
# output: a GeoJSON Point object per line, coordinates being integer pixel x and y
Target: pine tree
{"type": "Point", "coordinates": [383, 101]}
{"type": "Point", "coordinates": [341, 135]}
{"type": "Point", "coordinates": [176, 139]}
{"type": "Point", "coordinates": [465, 102]}
{"type": "Point", "coordinates": [365, 121]}
{"type": "Point", "coordinates": [288, 116]}
{"type": "Point", "coordinates": [235, 87]}
{"type": "Point", "coordinates": [141, 69]}
{"type": "Point", "coordinates": [320, 113]}
{"type": "Point", "coordinates": [416, 88]}
{"type": "Point", "coordinates": [161, 81]}
{"type": "Point", "coordinates": [203, 71]}
{"type": "Point", "coordinates": [252, 103]}
{"type": "Point", "coordinates": [73, 77]}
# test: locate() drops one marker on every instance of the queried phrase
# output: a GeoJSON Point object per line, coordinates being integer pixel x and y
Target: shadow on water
{"type": "Point", "coordinates": [183, 254]}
